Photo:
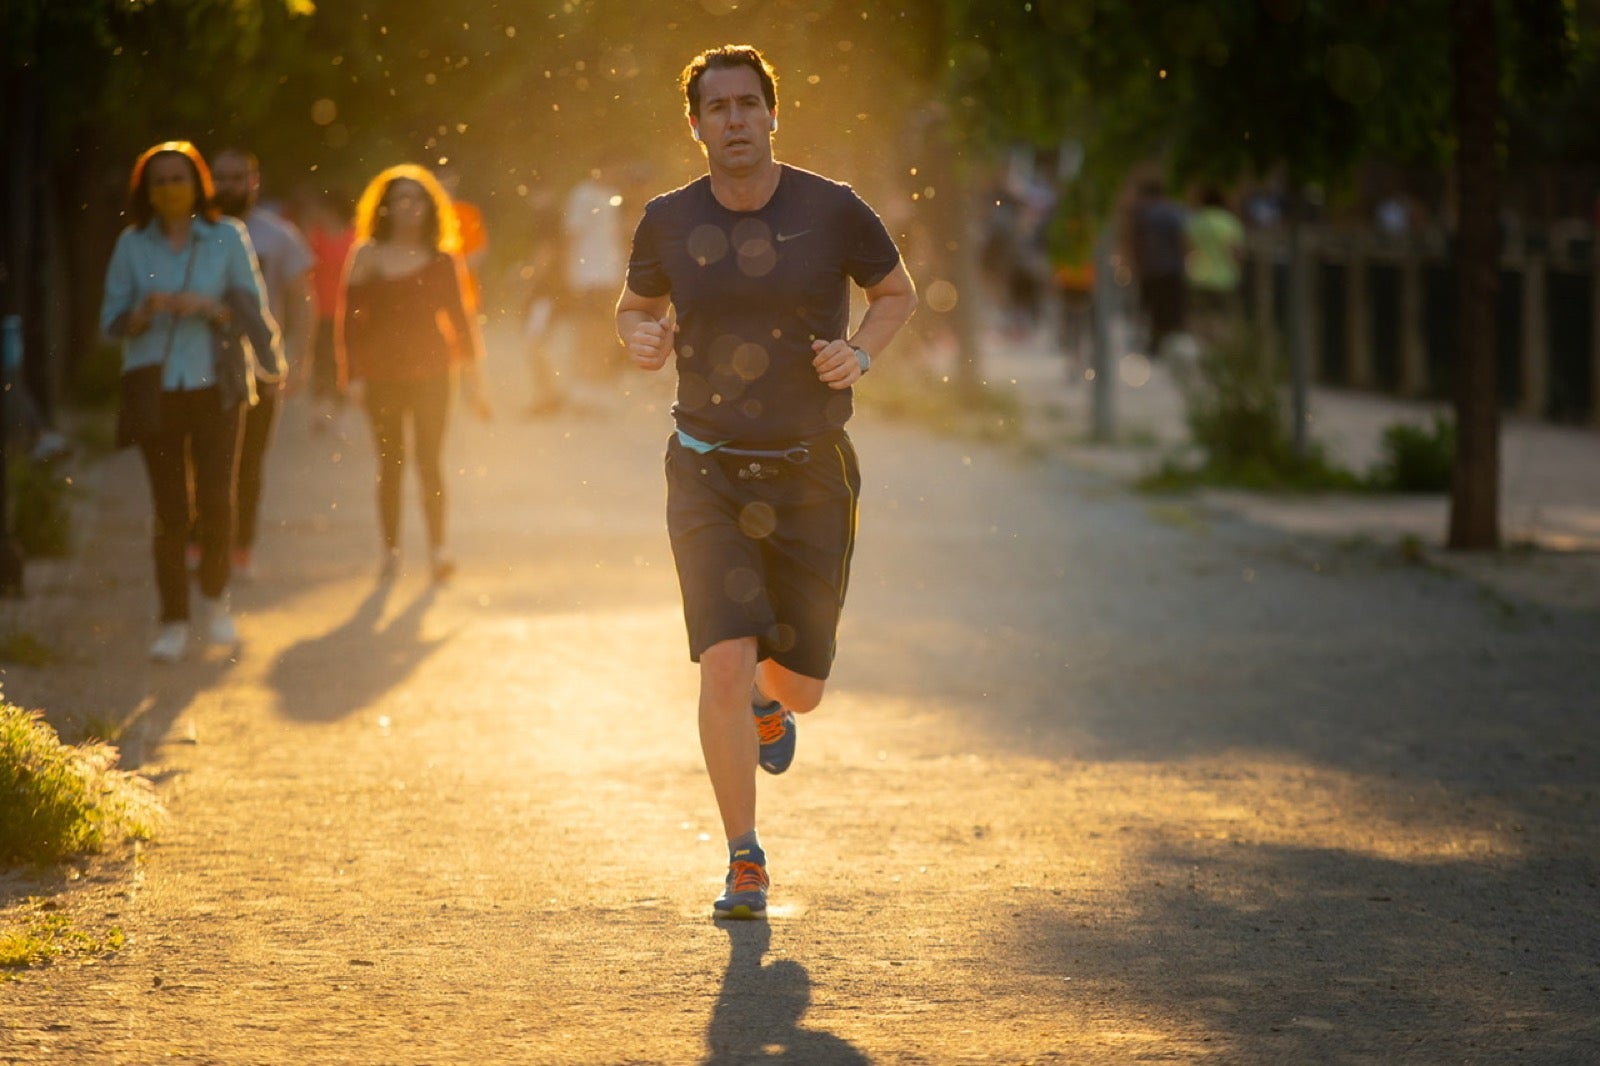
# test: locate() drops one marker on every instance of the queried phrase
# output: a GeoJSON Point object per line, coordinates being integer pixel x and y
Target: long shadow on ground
{"type": "Point", "coordinates": [1057, 621]}
{"type": "Point", "coordinates": [1309, 955]}
{"type": "Point", "coordinates": [328, 676]}
{"type": "Point", "coordinates": [760, 1007]}
{"type": "Point", "coordinates": [1080, 628]}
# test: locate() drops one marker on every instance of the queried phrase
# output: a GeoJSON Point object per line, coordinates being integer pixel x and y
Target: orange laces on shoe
{"type": "Point", "coordinates": [747, 876]}
{"type": "Point", "coordinates": [769, 727]}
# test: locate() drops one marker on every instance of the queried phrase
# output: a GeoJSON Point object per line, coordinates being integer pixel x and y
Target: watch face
{"type": "Point", "coordinates": [863, 359]}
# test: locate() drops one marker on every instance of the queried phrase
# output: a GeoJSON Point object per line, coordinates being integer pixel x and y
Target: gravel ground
{"type": "Point", "coordinates": [1100, 779]}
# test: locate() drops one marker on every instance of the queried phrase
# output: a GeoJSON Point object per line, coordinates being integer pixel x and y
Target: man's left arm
{"type": "Point", "coordinates": [890, 303]}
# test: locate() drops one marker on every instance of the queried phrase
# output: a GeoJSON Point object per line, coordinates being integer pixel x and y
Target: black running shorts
{"type": "Point", "coordinates": [763, 548]}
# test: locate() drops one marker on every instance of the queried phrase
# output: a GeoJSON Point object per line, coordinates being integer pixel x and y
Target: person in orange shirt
{"type": "Point", "coordinates": [326, 223]}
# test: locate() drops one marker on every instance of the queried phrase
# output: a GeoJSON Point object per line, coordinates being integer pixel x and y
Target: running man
{"type": "Point", "coordinates": [744, 275]}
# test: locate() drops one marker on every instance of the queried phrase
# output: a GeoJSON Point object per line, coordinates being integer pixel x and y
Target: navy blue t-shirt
{"type": "Point", "coordinates": [753, 289]}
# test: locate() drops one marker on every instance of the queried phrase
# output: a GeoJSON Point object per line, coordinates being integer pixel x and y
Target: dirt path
{"type": "Point", "coordinates": [1094, 784]}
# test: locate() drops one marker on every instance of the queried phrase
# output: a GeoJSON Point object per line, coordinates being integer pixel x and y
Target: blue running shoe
{"type": "Point", "coordinates": [745, 896]}
{"type": "Point", "coordinates": [775, 726]}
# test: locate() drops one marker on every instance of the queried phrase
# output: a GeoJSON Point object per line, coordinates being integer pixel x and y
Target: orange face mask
{"type": "Point", "coordinates": [173, 201]}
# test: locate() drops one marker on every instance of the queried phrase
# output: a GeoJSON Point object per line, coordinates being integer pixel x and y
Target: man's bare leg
{"type": "Point", "coordinates": [728, 731]}
{"type": "Point", "coordinates": [796, 692]}
{"type": "Point", "coordinates": [729, 741]}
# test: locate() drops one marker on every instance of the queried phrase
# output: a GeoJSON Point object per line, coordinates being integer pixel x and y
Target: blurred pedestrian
{"type": "Point", "coordinates": [998, 251]}
{"type": "Point", "coordinates": [744, 276]}
{"type": "Point", "coordinates": [542, 275]}
{"type": "Point", "coordinates": [1214, 263]}
{"type": "Point", "coordinates": [330, 235]}
{"type": "Point", "coordinates": [1159, 248]}
{"type": "Point", "coordinates": [27, 430]}
{"type": "Point", "coordinates": [406, 329]}
{"type": "Point", "coordinates": [178, 271]}
{"type": "Point", "coordinates": [285, 263]}
{"type": "Point", "coordinates": [595, 258]}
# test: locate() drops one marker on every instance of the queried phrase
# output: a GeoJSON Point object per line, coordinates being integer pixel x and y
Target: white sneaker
{"type": "Point", "coordinates": [171, 643]}
{"type": "Point", "coordinates": [219, 623]}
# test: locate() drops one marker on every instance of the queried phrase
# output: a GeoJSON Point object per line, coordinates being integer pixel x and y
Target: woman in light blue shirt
{"type": "Point", "coordinates": [167, 287]}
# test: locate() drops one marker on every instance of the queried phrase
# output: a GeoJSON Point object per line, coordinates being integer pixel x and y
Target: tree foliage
{"type": "Point", "coordinates": [908, 99]}
{"type": "Point", "coordinates": [1219, 89]}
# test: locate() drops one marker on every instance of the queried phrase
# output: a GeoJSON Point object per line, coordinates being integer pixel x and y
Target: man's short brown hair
{"type": "Point", "coordinates": [725, 58]}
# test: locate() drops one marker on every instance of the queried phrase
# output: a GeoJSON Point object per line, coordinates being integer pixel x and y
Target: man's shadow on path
{"type": "Point", "coordinates": [757, 1014]}
{"type": "Point", "coordinates": [324, 678]}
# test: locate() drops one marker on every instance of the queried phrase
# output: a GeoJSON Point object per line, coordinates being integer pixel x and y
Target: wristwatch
{"type": "Point", "coordinates": [863, 359]}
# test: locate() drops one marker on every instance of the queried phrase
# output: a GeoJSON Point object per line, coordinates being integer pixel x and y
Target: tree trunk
{"type": "Point", "coordinates": [1299, 329]}
{"type": "Point", "coordinates": [939, 154]}
{"type": "Point", "coordinates": [20, 117]}
{"type": "Point", "coordinates": [1475, 492]}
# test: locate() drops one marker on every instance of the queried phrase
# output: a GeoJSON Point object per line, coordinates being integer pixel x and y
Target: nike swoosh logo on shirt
{"type": "Point", "coordinates": [791, 236]}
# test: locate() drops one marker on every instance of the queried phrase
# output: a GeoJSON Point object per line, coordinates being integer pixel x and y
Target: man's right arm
{"type": "Point", "coordinates": [646, 325]}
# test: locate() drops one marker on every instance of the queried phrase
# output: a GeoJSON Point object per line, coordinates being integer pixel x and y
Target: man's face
{"type": "Point", "coordinates": [735, 125]}
{"type": "Point", "coordinates": [237, 185]}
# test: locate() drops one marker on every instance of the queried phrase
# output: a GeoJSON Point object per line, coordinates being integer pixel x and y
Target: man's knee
{"type": "Point", "coordinates": [728, 664]}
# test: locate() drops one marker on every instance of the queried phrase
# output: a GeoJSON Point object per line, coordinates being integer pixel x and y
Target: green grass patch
{"type": "Point", "coordinates": [1417, 458]}
{"type": "Point", "coordinates": [1275, 472]}
{"type": "Point", "coordinates": [40, 934]}
{"type": "Point", "coordinates": [58, 800]}
{"type": "Point", "coordinates": [90, 728]}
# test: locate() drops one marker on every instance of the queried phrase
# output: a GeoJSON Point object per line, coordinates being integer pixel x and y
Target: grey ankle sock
{"type": "Point", "coordinates": [745, 842]}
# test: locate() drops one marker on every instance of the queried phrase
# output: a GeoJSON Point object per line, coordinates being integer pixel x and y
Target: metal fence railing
{"type": "Point", "coordinates": [1383, 316]}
